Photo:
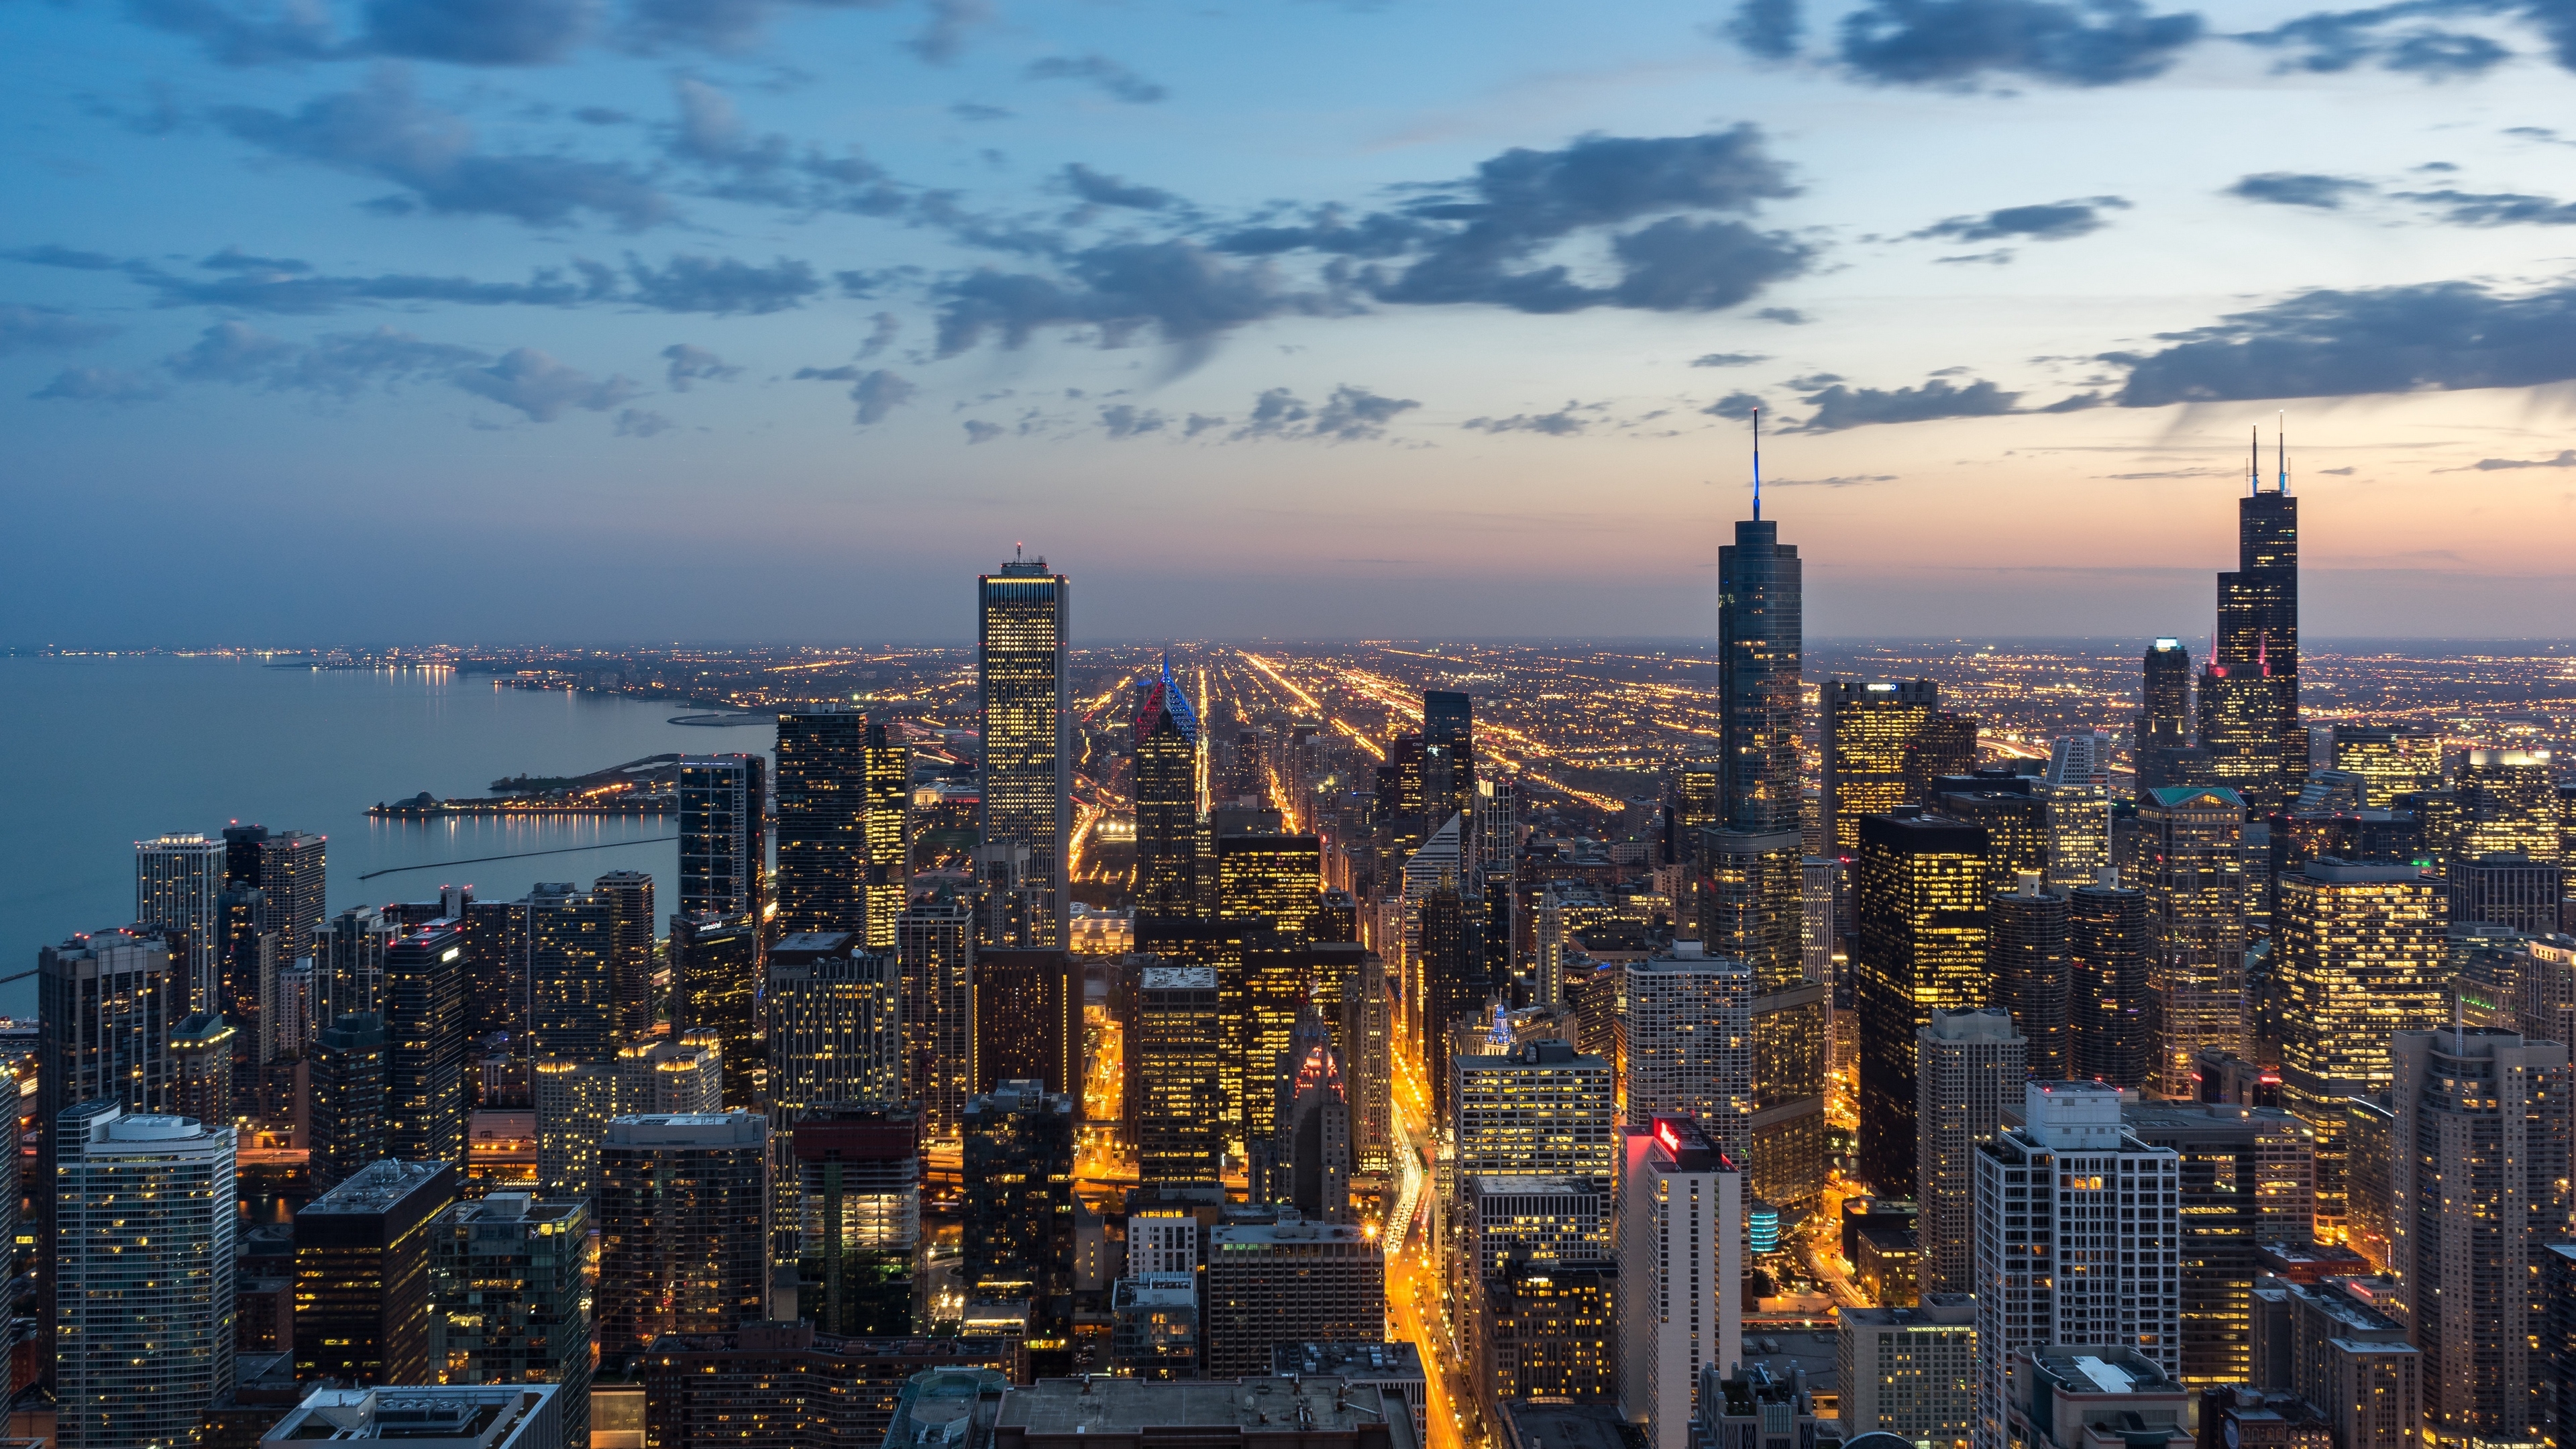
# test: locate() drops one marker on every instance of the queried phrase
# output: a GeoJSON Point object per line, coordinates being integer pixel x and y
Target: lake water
{"type": "Point", "coordinates": [114, 750]}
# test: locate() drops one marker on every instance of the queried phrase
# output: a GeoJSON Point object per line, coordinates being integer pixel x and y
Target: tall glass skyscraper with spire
{"type": "Point", "coordinates": [1751, 863]}
{"type": "Point", "coordinates": [2249, 692]}
{"type": "Point", "coordinates": [1023, 641]}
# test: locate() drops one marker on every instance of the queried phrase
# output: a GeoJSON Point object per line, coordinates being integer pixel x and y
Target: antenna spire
{"type": "Point", "coordinates": [2254, 458]}
{"type": "Point", "coordinates": [2281, 437]}
{"type": "Point", "coordinates": [1757, 465]}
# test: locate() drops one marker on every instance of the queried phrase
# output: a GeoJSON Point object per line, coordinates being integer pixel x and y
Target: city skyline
{"type": "Point", "coordinates": [750, 285]}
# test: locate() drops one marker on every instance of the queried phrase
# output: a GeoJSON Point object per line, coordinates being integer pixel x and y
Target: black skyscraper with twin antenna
{"type": "Point", "coordinates": [2249, 692]}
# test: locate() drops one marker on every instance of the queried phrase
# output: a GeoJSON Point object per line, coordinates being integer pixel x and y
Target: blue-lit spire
{"type": "Point", "coordinates": [1757, 465]}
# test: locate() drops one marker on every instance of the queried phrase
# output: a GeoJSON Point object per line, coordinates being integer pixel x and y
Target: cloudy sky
{"type": "Point", "coordinates": [779, 319]}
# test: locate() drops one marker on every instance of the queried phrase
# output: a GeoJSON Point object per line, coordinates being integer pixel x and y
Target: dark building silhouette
{"type": "Point", "coordinates": [1166, 741]}
{"type": "Point", "coordinates": [1019, 1217]}
{"type": "Point", "coordinates": [362, 1274]}
{"type": "Point", "coordinates": [1922, 897]}
{"type": "Point", "coordinates": [2108, 939]}
{"type": "Point", "coordinates": [2164, 721]}
{"type": "Point", "coordinates": [2249, 689]}
{"type": "Point", "coordinates": [572, 944]}
{"type": "Point", "coordinates": [724, 812]}
{"type": "Point", "coordinates": [629, 894]}
{"type": "Point", "coordinates": [858, 1190]}
{"type": "Point", "coordinates": [349, 1127]}
{"type": "Point", "coordinates": [822, 820]}
{"type": "Point", "coordinates": [424, 1072]}
{"type": "Point", "coordinates": [1028, 1019]}
{"type": "Point", "coordinates": [715, 986]}
{"type": "Point", "coordinates": [2027, 953]}
{"type": "Point", "coordinates": [496, 968]}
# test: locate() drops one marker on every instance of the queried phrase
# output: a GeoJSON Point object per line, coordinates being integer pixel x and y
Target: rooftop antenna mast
{"type": "Point", "coordinates": [2281, 436]}
{"type": "Point", "coordinates": [1757, 465]}
{"type": "Point", "coordinates": [2254, 458]}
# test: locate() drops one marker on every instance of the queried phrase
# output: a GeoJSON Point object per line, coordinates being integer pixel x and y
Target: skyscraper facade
{"type": "Point", "coordinates": [1753, 862]}
{"type": "Point", "coordinates": [2164, 719]}
{"type": "Point", "coordinates": [2362, 957]}
{"type": "Point", "coordinates": [1923, 928]}
{"type": "Point", "coordinates": [715, 987]}
{"type": "Point", "coordinates": [347, 1080]}
{"type": "Point", "coordinates": [822, 820]}
{"type": "Point", "coordinates": [683, 1222]}
{"type": "Point", "coordinates": [507, 1295]}
{"type": "Point", "coordinates": [2108, 943]}
{"type": "Point", "coordinates": [2027, 954]}
{"type": "Point", "coordinates": [629, 894]}
{"type": "Point", "coordinates": [1681, 1274]}
{"type": "Point", "coordinates": [2192, 857]}
{"type": "Point", "coordinates": [2483, 1131]}
{"type": "Point", "coordinates": [362, 1274]}
{"type": "Point", "coordinates": [1024, 634]}
{"type": "Point", "coordinates": [724, 853]}
{"type": "Point", "coordinates": [1867, 726]}
{"type": "Point", "coordinates": [1969, 1068]}
{"type": "Point", "coordinates": [887, 783]}
{"type": "Point", "coordinates": [178, 880]}
{"type": "Point", "coordinates": [2249, 691]}
{"type": "Point", "coordinates": [935, 946]}
{"type": "Point", "coordinates": [1166, 738]}
{"type": "Point", "coordinates": [143, 1275]}
{"type": "Point", "coordinates": [572, 953]}
{"type": "Point", "coordinates": [835, 1015]}
{"type": "Point", "coordinates": [1688, 1032]}
{"type": "Point", "coordinates": [2104, 1204]}
{"type": "Point", "coordinates": [1170, 1054]}
{"type": "Point", "coordinates": [425, 992]}
{"type": "Point", "coordinates": [2392, 760]}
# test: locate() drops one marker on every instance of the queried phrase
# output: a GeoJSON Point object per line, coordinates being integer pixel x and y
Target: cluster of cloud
{"type": "Point", "coordinates": [1964, 43]}
{"type": "Point", "coordinates": [512, 33]}
{"type": "Point", "coordinates": [1348, 414]}
{"type": "Point", "coordinates": [2447, 204]}
{"type": "Point", "coordinates": [340, 366]}
{"type": "Point", "coordinates": [291, 287]}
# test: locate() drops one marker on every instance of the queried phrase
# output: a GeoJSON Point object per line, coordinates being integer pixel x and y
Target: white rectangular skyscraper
{"type": "Point", "coordinates": [144, 1297]}
{"type": "Point", "coordinates": [2078, 1239]}
{"type": "Point", "coordinates": [1688, 1026]}
{"type": "Point", "coordinates": [1681, 1273]}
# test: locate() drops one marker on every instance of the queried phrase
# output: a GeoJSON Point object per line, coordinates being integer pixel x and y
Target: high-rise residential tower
{"type": "Point", "coordinates": [1024, 634]}
{"type": "Point", "coordinates": [2102, 1204]}
{"type": "Point", "coordinates": [1752, 864]}
{"type": "Point", "coordinates": [715, 987]}
{"type": "Point", "coordinates": [724, 853]}
{"type": "Point", "coordinates": [143, 1275]}
{"type": "Point", "coordinates": [1969, 1069]}
{"type": "Point", "coordinates": [1923, 927]}
{"type": "Point", "coordinates": [1681, 1275]}
{"type": "Point", "coordinates": [683, 1221]}
{"type": "Point", "coordinates": [1173, 1039]}
{"type": "Point", "coordinates": [887, 784]}
{"type": "Point", "coordinates": [2483, 1130]}
{"type": "Point", "coordinates": [178, 880]}
{"type": "Point", "coordinates": [935, 946]}
{"type": "Point", "coordinates": [1688, 1037]}
{"type": "Point", "coordinates": [2249, 691]}
{"type": "Point", "coordinates": [425, 990]}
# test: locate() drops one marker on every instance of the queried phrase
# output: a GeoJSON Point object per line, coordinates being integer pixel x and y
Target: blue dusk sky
{"type": "Point", "coordinates": [627, 320]}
